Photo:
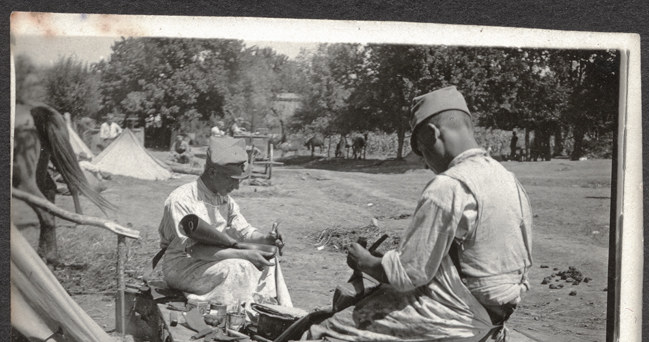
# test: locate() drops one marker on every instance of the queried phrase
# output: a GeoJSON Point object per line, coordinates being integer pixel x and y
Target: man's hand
{"type": "Point", "coordinates": [359, 258]}
{"type": "Point", "coordinates": [258, 258]}
{"type": "Point", "coordinates": [276, 237]}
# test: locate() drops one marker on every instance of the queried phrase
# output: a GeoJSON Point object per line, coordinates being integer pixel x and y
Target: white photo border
{"type": "Point", "coordinates": [629, 206]}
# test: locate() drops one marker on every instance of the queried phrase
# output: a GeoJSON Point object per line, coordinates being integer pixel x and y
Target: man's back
{"type": "Point", "coordinates": [501, 241]}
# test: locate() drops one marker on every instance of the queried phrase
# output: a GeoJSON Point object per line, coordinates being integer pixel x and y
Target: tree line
{"type": "Point", "coordinates": [344, 88]}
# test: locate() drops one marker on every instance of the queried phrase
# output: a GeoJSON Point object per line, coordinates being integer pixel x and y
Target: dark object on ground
{"type": "Point", "coordinates": [573, 273]}
{"type": "Point", "coordinates": [572, 293]}
{"type": "Point", "coordinates": [544, 266]}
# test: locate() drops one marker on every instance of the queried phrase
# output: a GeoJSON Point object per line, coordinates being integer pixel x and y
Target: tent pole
{"type": "Point", "coordinates": [121, 257]}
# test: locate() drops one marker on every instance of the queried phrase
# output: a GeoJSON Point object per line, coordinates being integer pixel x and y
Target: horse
{"type": "Point", "coordinates": [359, 146]}
{"type": "Point", "coordinates": [34, 147]}
{"type": "Point", "coordinates": [288, 147]}
{"type": "Point", "coordinates": [314, 141]}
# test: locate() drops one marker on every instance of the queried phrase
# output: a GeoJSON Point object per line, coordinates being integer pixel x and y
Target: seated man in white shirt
{"type": "Point", "coordinates": [181, 152]}
{"type": "Point", "coordinates": [208, 272]}
{"type": "Point", "coordinates": [461, 267]}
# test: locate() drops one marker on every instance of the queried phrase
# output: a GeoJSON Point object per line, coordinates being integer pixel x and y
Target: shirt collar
{"type": "Point", "coordinates": [470, 153]}
{"type": "Point", "coordinates": [208, 195]}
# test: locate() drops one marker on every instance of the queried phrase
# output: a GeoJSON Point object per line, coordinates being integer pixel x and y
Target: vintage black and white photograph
{"type": "Point", "coordinates": [240, 179]}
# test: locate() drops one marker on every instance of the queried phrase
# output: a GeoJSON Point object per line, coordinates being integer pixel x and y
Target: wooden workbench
{"type": "Point", "coordinates": [267, 161]}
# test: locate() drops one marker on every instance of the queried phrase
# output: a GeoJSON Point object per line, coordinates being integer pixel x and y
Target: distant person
{"type": "Point", "coordinates": [109, 130]}
{"type": "Point", "coordinates": [217, 131]}
{"type": "Point", "coordinates": [180, 150]}
{"type": "Point", "coordinates": [236, 127]}
{"type": "Point", "coordinates": [157, 121]}
{"type": "Point", "coordinates": [68, 118]}
{"type": "Point", "coordinates": [148, 122]}
{"type": "Point", "coordinates": [512, 146]}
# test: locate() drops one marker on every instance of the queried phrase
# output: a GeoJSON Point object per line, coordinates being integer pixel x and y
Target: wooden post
{"type": "Point", "coordinates": [251, 157]}
{"type": "Point", "coordinates": [270, 159]}
{"type": "Point", "coordinates": [120, 323]}
{"type": "Point", "coordinates": [329, 148]}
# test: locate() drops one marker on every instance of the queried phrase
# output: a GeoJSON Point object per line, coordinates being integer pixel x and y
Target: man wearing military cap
{"type": "Point", "coordinates": [462, 265]}
{"type": "Point", "coordinates": [206, 272]}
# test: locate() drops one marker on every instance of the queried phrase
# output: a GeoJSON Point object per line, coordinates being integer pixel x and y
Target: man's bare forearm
{"type": "Point", "coordinates": [372, 267]}
{"type": "Point", "coordinates": [211, 253]}
{"type": "Point", "coordinates": [258, 237]}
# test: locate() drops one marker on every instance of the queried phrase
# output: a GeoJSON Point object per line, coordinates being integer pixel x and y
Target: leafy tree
{"type": "Point", "coordinates": [591, 80]}
{"type": "Point", "coordinates": [263, 75]}
{"type": "Point", "coordinates": [329, 76]}
{"type": "Point", "coordinates": [28, 82]}
{"type": "Point", "coordinates": [71, 86]}
{"type": "Point", "coordinates": [181, 79]}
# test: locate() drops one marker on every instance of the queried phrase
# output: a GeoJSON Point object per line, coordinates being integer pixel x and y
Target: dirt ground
{"type": "Point", "coordinates": [571, 202]}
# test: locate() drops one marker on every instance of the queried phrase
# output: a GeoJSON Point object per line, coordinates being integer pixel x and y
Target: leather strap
{"type": "Point", "coordinates": [157, 257]}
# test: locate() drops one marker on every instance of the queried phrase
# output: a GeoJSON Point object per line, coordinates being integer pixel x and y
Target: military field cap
{"type": "Point", "coordinates": [433, 103]}
{"type": "Point", "coordinates": [228, 154]}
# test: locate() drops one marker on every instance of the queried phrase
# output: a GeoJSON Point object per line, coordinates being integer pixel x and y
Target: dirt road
{"type": "Point", "coordinates": [571, 202]}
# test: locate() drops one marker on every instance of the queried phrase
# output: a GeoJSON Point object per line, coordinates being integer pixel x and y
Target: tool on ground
{"type": "Point", "coordinates": [202, 333]}
{"type": "Point", "coordinates": [173, 318]}
{"type": "Point", "coordinates": [195, 320]}
{"type": "Point", "coordinates": [274, 319]}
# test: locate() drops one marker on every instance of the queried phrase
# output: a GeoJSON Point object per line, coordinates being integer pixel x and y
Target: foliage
{"type": "Point", "coordinates": [180, 79]}
{"type": "Point", "coordinates": [185, 80]}
{"type": "Point", "coordinates": [328, 74]}
{"type": "Point", "coordinates": [344, 87]}
{"type": "Point", "coordinates": [591, 78]}
{"type": "Point", "coordinates": [71, 86]}
{"type": "Point", "coordinates": [28, 81]}
{"type": "Point", "coordinates": [263, 75]}
{"type": "Point", "coordinates": [546, 91]}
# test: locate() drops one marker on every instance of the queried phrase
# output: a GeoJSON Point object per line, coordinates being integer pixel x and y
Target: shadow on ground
{"type": "Point", "coordinates": [375, 166]}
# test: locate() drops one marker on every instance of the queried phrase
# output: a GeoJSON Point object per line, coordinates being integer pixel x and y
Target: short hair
{"type": "Point", "coordinates": [451, 119]}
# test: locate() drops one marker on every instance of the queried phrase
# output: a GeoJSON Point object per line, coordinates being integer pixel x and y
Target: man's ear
{"type": "Point", "coordinates": [434, 130]}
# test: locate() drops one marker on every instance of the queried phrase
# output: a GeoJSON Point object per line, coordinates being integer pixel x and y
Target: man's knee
{"type": "Point", "coordinates": [230, 266]}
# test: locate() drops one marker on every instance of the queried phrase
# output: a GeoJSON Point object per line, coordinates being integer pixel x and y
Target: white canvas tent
{"type": "Point", "coordinates": [77, 144]}
{"type": "Point", "coordinates": [40, 306]}
{"type": "Point", "coordinates": [126, 157]}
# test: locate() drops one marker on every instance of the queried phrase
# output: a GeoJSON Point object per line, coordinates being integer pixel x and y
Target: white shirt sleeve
{"type": "Point", "coordinates": [237, 224]}
{"type": "Point", "coordinates": [104, 131]}
{"type": "Point", "coordinates": [445, 211]}
{"type": "Point", "coordinates": [118, 129]}
{"type": "Point", "coordinates": [173, 237]}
